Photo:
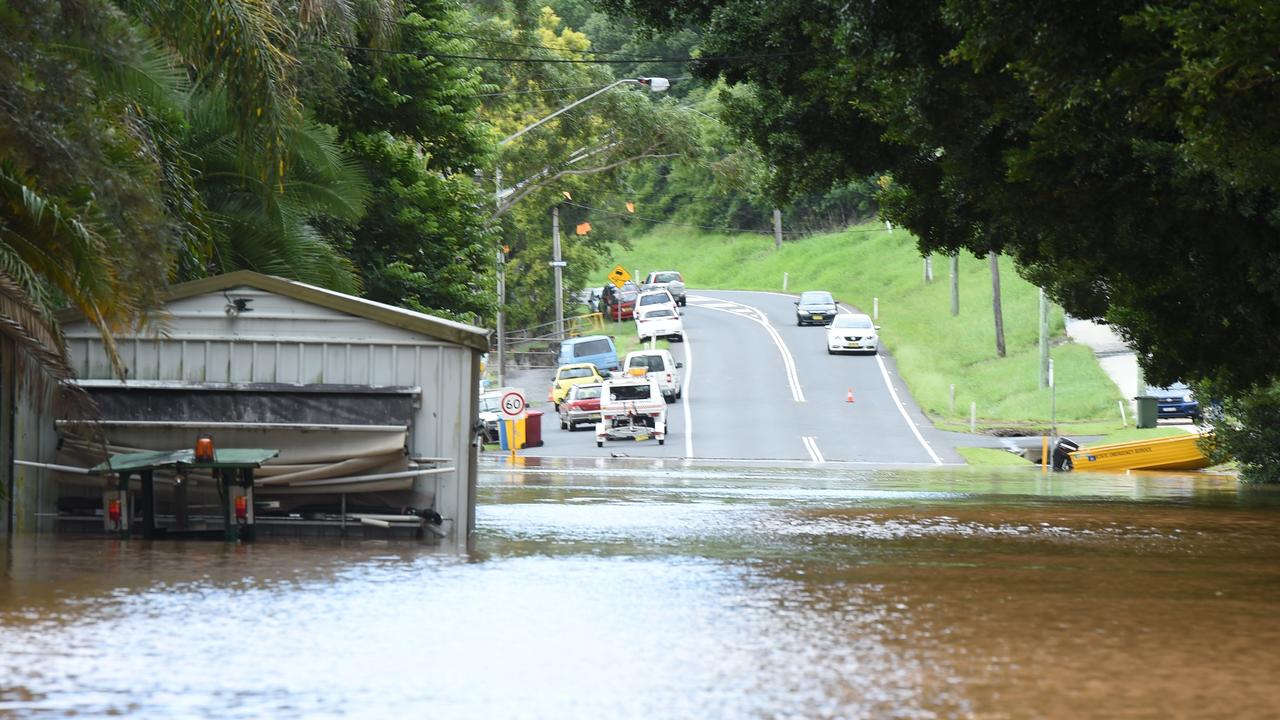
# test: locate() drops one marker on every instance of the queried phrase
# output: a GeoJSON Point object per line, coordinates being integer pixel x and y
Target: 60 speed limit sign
{"type": "Point", "coordinates": [513, 404]}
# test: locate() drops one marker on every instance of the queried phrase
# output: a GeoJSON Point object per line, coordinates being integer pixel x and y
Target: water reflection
{"type": "Point", "coordinates": [683, 592]}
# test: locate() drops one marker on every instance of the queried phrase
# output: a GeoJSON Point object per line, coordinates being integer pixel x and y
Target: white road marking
{"type": "Point", "coordinates": [884, 372]}
{"type": "Point", "coordinates": [684, 398]}
{"type": "Point", "coordinates": [811, 446]}
{"type": "Point", "coordinates": [754, 315]}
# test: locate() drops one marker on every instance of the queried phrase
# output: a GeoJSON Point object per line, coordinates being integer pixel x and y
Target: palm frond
{"type": "Point", "coordinates": [40, 351]}
{"type": "Point", "coordinates": [67, 253]}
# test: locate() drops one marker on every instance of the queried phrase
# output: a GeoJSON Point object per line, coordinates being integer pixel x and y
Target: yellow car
{"type": "Point", "coordinates": [568, 376]}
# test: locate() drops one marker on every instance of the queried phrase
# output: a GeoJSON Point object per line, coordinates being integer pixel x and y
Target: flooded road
{"type": "Point", "coordinates": [665, 591]}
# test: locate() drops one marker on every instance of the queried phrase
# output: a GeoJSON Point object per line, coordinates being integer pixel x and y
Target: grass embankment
{"type": "Point", "coordinates": [933, 350]}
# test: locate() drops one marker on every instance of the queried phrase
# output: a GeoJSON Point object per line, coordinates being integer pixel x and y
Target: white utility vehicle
{"type": "Point", "coordinates": [669, 279]}
{"type": "Point", "coordinates": [631, 407]}
{"type": "Point", "coordinates": [660, 366]}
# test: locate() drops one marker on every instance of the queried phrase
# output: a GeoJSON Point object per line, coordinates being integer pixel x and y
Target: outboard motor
{"type": "Point", "coordinates": [1062, 453]}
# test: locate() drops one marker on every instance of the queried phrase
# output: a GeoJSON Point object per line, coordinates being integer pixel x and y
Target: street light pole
{"type": "Point", "coordinates": [655, 84]}
{"type": "Point", "coordinates": [557, 265]}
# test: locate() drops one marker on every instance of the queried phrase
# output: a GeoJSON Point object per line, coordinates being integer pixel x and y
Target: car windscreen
{"type": "Point", "coordinates": [660, 313]}
{"type": "Point", "coordinates": [816, 298]}
{"type": "Point", "coordinates": [586, 392]}
{"type": "Point", "coordinates": [629, 392]}
{"type": "Point", "coordinates": [853, 321]}
{"type": "Point", "coordinates": [489, 404]}
{"type": "Point", "coordinates": [666, 277]}
{"type": "Point", "coordinates": [567, 373]}
{"type": "Point", "coordinates": [591, 347]}
{"type": "Point", "coordinates": [654, 299]}
{"type": "Point", "coordinates": [649, 362]}
{"type": "Point", "coordinates": [1174, 389]}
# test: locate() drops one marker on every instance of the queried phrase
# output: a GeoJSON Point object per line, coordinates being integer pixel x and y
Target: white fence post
{"type": "Point", "coordinates": [784, 282]}
{"type": "Point", "coordinates": [875, 308]}
{"type": "Point", "coordinates": [973, 417]}
{"type": "Point", "coordinates": [1124, 421]}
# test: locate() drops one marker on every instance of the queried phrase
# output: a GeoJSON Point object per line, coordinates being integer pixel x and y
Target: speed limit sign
{"type": "Point", "coordinates": [513, 404]}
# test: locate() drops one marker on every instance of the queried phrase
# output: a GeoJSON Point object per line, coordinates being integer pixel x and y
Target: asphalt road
{"type": "Point", "coordinates": [757, 387]}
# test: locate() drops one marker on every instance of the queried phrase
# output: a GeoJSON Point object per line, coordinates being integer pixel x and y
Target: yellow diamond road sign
{"type": "Point", "coordinates": [619, 276]}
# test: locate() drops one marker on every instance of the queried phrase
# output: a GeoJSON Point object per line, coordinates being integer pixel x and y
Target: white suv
{"type": "Point", "coordinates": [660, 366]}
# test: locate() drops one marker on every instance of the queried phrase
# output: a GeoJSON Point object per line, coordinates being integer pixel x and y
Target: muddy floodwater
{"type": "Point", "coordinates": [665, 591]}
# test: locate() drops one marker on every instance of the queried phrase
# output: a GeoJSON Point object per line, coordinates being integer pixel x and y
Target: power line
{"type": "Point", "coordinates": [658, 221]}
{"type": "Point", "coordinates": [558, 89]}
{"type": "Point", "coordinates": [618, 61]}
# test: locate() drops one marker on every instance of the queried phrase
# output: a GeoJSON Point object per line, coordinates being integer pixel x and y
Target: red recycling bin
{"type": "Point", "coordinates": [533, 429]}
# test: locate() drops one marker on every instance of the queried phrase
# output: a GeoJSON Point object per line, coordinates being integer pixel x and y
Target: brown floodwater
{"type": "Point", "coordinates": [665, 591]}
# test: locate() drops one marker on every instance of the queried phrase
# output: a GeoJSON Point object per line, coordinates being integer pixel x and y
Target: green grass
{"type": "Point", "coordinates": [1129, 434]}
{"type": "Point", "coordinates": [990, 456]}
{"type": "Point", "coordinates": [933, 350]}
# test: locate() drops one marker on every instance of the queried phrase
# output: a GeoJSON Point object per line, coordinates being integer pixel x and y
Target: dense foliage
{"type": "Point", "coordinates": [1124, 152]}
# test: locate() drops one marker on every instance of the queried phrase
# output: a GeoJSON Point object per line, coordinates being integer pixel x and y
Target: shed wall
{"type": "Point", "coordinates": [284, 340]}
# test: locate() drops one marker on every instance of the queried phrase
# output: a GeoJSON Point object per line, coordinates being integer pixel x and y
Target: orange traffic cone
{"type": "Point", "coordinates": [849, 397]}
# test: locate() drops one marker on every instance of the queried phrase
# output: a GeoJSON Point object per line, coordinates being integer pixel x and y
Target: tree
{"type": "Point", "coordinates": [411, 122]}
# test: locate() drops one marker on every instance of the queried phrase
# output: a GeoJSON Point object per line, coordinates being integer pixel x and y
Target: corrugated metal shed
{"type": "Point", "coordinates": [299, 354]}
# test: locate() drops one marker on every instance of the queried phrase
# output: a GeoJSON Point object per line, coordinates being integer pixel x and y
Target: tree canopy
{"type": "Point", "coordinates": [1123, 153]}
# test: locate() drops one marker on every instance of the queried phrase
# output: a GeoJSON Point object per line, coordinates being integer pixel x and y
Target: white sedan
{"type": "Point", "coordinates": [852, 332]}
{"type": "Point", "coordinates": [659, 322]}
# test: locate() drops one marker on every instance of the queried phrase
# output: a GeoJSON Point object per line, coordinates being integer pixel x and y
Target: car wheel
{"type": "Point", "coordinates": [662, 441]}
{"type": "Point", "coordinates": [669, 398]}
{"type": "Point", "coordinates": [679, 394]}
{"type": "Point", "coordinates": [830, 351]}
{"type": "Point", "coordinates": [799, 322]}
{"type": "Point", "coordinates": [565, 426]}
{"type": "Point", "coordinates": [599, 443]}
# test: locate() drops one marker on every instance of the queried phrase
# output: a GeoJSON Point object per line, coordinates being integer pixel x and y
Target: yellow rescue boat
{"type": "Point", "coordinates": [1179, 452]}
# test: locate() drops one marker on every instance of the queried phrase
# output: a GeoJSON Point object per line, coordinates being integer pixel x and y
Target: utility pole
{"type": "Point", "coordinates": [1043, 375]}
{"type": "Point", "coordinates": [996, 307]}
{"type": "Point", "coordinates": [955, 284]}
{"type": "Point", "coordinates": [777, 229]}
{"type": "Point", "coordinates": [557, 265]}
{"type": "Point", "coordinates": [502, 301]}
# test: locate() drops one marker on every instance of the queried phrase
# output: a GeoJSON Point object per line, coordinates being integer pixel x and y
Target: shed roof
{"type": "Point", "coordinates": [429, 325]}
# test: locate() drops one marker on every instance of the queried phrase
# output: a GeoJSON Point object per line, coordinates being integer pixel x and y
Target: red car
{"type": "Point", "coordinates": [620, 303]}
{"type": "Point", "coordinates": [581, 405]}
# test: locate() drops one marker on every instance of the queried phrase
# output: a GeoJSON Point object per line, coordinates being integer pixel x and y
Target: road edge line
{"type": "Point", "coordinates": [884, 372]}
{"type": "Point", "coordinates": [686, 379]}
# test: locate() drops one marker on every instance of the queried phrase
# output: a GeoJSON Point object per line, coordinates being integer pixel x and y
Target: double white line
{"type": "Point", "coordinates": [811, 446]}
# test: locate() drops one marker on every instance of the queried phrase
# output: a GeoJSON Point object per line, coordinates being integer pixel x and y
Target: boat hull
{"type": "Point", "coordinates": [1166, 453]}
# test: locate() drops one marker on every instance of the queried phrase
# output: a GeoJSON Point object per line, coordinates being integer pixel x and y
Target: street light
{"type": "Point", "coordinates": [655, 84]}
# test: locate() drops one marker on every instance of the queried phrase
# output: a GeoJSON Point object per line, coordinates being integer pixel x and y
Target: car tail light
{"type": "Point", "coordinates": [242, 508]}
{"type": "Point", "coordinates": [669, 377]}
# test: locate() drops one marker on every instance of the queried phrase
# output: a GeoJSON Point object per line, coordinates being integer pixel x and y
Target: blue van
{"type": "Point", "coordinates": [595, 349]}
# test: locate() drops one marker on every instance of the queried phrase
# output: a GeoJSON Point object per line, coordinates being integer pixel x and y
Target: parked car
{"type": "Point", "coordinates": [650, 299]}
{"type": "Point", "coordinates": [582, 405]}
{"type": "Point", "coordinates": [815, 307]}
{"type": "Point", "coordinates": [598, 350]}
{"type": "Point", "coordinates": [591, 297]}
{"type": "Point", "coordinates": [1175, 401]}
{"type": "Point", "coordinates": [660, 323]}
{"type": "Point", "coordinates": [631, 406]}
{"type": "Point", "coordinates": [659, 365]}
{"type": "Point", "coordinates": [490, 415]}
{"type": "Point", "coordinates": [669, 279]}
{"type": "Point", "coordinates": [852, 332]}
{"type": "Point", "coordinates": [569, 375]}
{"type": "Point", "coordinates": [620, 302]}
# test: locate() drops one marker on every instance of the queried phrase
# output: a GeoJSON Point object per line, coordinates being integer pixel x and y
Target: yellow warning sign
{"type": "Point", "coordinates": [619, 276]}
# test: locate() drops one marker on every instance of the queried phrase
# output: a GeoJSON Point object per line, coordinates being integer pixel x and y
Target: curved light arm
{"type": "Point", "coordinates": [655, 85]}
